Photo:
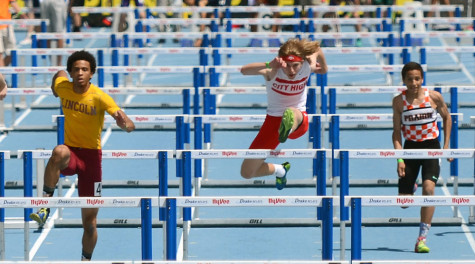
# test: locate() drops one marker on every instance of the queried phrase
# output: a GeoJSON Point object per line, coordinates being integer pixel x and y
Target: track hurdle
{"type": "Point", "coordinates": [318, 181]}
{"type": "Point", "coordinates": [18, 60]}
{"type": "Point", "coordinates": [314, 139]}
{"type": "Point", "coordinates": [405, 36]}
{"type": "Point", "coordinates": [3, 156]}
{"type": "Point", "coordinates": [325, 203]}
{"type": "Point", "coordinates": [28, 156]}
{"type": "Point", "coordinates": [196, 71]}
{"type": "Point", "coordinates": [145, 203]}
{"type": "Point", "coordinates": [356, 204]}
{"type": "Point", "coordinates": [345, 155]}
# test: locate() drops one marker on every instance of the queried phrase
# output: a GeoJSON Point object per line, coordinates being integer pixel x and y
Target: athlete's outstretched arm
{"type": "Point", "coordinates": [318, 62]}
{"type": "Point", "coordinates": [123, 121]}
{"type": "Point", "coordinates": [58, 74]}
{"type": "Point", "coordinates": [3, 87]}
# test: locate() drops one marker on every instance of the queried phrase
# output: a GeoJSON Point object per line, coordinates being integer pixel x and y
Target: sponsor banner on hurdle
{"type": "Point", "coordinates": [247, 201]}
{"type": "Point", "coordinates": [450, 49]}
{"type": "Point", "coordinates": [410, 153]}
{"type": "Point", "coordinates": [158, 35]}
{"type": "Point", "coordinates": [150, 69]}
{"type": "Point", "coordinates": [73, 202]}
{"type": "Point", "coordinates": [65, 51]}
{"type": "Point", "coordinates": [111, 91]}
{"type": "Point", "coordinates": [75, 35]}
{"type": "Point", "coordinates": [251, 153]}
{"type": "Point", "coordinates": [39, 69]}
{"type": "Point", "coordinates": [366, 117]}
{"type": "Point", "coordinates": [465, 89]}
{"type": "Point", "coordinates": [106, 154]}
{"type": "Point", "coordinates": [143, 119]}
{"type": "Point", "coordinates": [132, 51]}
{"type": "Point", "coordinates": [233, 118]}
{"type": "Point", "coordinates": [366, 89]}
{"type": "Point", "coordinates": [147, 119]}
{"type": "Point", "coordinates": [30, 91]}
{"type": "Point", "coordinates": [236, 90]}
{"type": "Point", "coordinates": [24, 22]}
{"type": "Point", "coordinates": [148, 90]}
{"type": "Point", "coordinates": [416, 200]}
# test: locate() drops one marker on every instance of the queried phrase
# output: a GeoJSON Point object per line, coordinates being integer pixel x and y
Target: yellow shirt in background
{"type": "Point", "coordinates": [83, 113]}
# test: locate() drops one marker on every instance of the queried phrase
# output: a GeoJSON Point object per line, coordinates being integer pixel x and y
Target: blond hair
{"type": "Point", "coordinates": [299, 47]}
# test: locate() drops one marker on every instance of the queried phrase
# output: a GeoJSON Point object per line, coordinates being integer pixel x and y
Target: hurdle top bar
{"type": "Point", "coordinates": [377, 201]}
{"type": "Point", "coordinates": [106, 154]}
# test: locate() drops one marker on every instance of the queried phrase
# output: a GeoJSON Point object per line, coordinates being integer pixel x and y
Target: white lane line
{"type": "Point", "coordinates": [106, 136]}
{"type": "Point", "coordinates": [464, 226]}
{"type": "Point", "coordinates": [21, 117]}
{"type": "Point", "coordinates": [48, 226]}
{"type": "Point", "coordinates": [2, 137]}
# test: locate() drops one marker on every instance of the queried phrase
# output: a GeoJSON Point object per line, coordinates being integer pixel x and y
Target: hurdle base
{"type": "Point", "coordinates": [258, 183]}
{"type": "Point", "coordinates": [260, 222]}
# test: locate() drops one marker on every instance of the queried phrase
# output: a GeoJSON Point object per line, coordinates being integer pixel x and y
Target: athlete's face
{"type": "Point", "coordinates": [292, 68]}
{"type": "Point", "coordinates": [413, 81]}
{"type": "Point", "coordinates": [81, 73]}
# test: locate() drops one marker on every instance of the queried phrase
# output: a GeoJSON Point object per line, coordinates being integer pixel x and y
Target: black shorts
{"type": "Point", "coordinates": [430, 167]}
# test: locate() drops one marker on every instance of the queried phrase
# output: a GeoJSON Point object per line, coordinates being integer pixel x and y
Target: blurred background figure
{"type": "Point", "coordinates": [7, 35]}
{"type": "Point", "coordinates": [55, 11]}
{"type": "Point", "coordinates": [76, 17]}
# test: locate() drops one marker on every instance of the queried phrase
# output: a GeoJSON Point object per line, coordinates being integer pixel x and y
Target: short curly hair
{"type": "Point", "coordinates": [411, 66]}
{"type": "Point", "coordinates": [81, 55]}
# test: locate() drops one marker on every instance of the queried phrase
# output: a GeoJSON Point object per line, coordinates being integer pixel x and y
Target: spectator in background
{"type": "Point", "coordinates": [76, 17]}
{"type": "Point", "coordinates": [125, 3]}
{"type": "Point", "coordinates": [55, 11]}
{"type": "Point", "coordinates": [3, 87]}
{"type": "Point", "coordinates": [203, 3]}
{"type": "Point", "coordinates": [444, 2]}
{"type": "Point", "coordinates": [33, 13]}
{"type": "Point", "coordinates": [7, 36]}
{"type": "Point", "coordinates": [325, 28]}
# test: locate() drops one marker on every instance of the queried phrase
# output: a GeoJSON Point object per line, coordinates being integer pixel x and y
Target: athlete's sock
{"type": "Point", "coordinates": [86, 256]}
{"type": "Point", "coordinates": [424, 229]}
{"type": "Point", "coordinates": [279, 170]}
{"type": "Point", "coordinates": [48, 191]}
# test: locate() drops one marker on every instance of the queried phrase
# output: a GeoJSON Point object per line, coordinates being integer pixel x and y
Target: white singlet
{"type": "Point", "coordinates": [283, 92]}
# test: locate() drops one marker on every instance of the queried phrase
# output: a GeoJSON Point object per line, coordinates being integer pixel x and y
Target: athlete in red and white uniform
{"type": "Point", "coordinates": [286, 78]}
{"type": "Point", "coordinates": [415, 118]}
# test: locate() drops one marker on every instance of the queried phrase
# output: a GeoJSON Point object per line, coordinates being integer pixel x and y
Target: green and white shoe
{"type": "Point", "coordinates": [286, 125]}
{"type": "Point", "coordinates": [280, 182]}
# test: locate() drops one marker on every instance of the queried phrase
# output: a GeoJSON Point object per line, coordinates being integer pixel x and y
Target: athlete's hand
{"type": "Point", "coordinates": [121, 120]}
{"type": "Point", "coordinates": [277, 62]}
{"type": "Point", "coordinates": [401, 169]}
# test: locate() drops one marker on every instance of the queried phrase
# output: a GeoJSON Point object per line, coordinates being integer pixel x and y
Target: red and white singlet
{"type": "Point", "coordinates": [419, 122]}
{"type": "Point", "coordinates": [283, 92]}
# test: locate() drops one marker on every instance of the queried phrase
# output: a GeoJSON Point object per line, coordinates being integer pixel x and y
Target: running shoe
{"type": "Point", "coordinates": [280, 182]}
{"type": "Point", "coordinates": [40, 216]}
{"type": "Point", "coordinates": [421, 246]}
{"type": "Point", "coordinates": [286, 125]}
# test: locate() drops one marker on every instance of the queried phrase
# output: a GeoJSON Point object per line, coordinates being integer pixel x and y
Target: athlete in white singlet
{"type": "Point", "coordinates": [286, 79]}
{"type": "Point", "coordinates": [414, 117]}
